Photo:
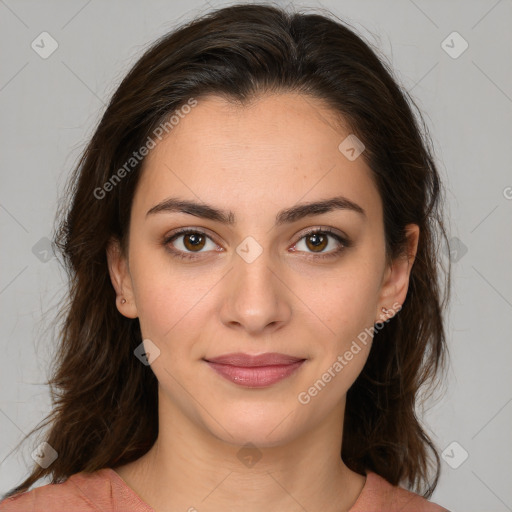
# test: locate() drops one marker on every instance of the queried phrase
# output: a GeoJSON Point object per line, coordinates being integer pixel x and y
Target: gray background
{"type": "Point", "coordinates": [51, 106]}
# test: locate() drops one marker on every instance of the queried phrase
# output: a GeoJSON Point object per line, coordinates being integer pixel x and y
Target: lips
{"type": "Point", "coordinates": [247, 360]}
{"type": "Point", "coordinates": [255, 371]}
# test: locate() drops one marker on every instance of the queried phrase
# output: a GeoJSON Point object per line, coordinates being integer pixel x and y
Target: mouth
{"type": "Point", "coordinates": [255, 371]}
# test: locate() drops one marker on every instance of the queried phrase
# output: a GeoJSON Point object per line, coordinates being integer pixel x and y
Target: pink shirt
{"type": "Point", "coordinates": [105, 491]}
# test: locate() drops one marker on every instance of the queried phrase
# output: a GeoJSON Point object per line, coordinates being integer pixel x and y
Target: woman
{"type": "Point", "coordinates": [254, 299]}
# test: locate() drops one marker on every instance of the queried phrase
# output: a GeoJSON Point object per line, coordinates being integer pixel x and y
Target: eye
{"type": "Point", "coordinates": [192, 240]}
{"type": "Point", "coordinates": [317, 240]}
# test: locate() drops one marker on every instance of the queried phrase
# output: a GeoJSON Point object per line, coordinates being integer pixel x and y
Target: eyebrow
{"type": "Point", "coordinates": [286, 216]}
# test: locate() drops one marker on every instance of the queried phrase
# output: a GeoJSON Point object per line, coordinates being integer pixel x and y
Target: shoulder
{"type": "Point", "coordinates": [379, 495]}
{"type": "Point", "coordinates": [82, 492]}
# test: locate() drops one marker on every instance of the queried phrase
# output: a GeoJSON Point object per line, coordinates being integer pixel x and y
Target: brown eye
{"type": "Point", "coordinates": [187, 243]}
{"type": "Point", "coordinates": [194, 241]}
{"type": "Point", "coordinates": [317, 242]}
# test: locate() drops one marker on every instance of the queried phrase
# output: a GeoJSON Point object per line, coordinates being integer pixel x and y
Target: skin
{"type": "Point", "coordinates": [255, 160]}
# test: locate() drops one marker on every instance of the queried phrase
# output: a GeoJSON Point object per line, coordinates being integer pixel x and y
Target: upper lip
{"type": "Point", "coordinates": [268, 359]}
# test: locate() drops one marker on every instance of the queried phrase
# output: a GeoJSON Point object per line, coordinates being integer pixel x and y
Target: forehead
{"type": "Point", "coordinates": [276, 151]}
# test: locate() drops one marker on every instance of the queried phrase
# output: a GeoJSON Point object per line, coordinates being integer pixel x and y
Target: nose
{"type": "Point", "coordinates": [256, 298]}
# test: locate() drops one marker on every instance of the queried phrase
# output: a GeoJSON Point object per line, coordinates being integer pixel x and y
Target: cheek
{"type": "Point", "coordinates": [169, 302]}
{"type": "Point", "coordinates": [162, 304]}
{"type": "Point", "coordinates": [343, 303]}
{"type": "Point", "coordinates": [340, 328]}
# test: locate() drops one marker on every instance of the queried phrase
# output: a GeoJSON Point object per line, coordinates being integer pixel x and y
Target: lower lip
{"type": "Point", "coordinates": [256, 376]}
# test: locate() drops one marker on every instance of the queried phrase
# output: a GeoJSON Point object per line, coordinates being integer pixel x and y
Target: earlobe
{"type": "Point", "coordinates": [396, 282]}
{"type": "Point", "coordinates": [121, 279]}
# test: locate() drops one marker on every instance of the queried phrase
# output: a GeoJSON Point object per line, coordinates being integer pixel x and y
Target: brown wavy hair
{"type": "Point", "coordinates": [104, 401]}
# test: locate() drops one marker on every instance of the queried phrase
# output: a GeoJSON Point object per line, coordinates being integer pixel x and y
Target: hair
{"type": "Point", "coordinates": [104, 401]}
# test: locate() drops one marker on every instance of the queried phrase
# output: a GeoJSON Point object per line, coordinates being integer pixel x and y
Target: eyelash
{"type": "Point", "coordinates": [344, 243]}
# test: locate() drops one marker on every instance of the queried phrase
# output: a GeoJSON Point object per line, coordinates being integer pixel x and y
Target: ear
{"type": "Point", "coordinates": [395, 282]}
{"type": "Point", "coordinates": [121, 279]}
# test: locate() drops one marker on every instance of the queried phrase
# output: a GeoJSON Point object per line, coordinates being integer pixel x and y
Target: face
{"type": "Point", "coordinates": [258, 283]}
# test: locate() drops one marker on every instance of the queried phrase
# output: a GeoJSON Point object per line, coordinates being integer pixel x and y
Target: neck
{"type": "Point", "coordinates": [187, 468]}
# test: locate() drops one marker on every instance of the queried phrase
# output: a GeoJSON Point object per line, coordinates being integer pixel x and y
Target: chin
{"type": "Point", "coordinates": [263, 428]}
